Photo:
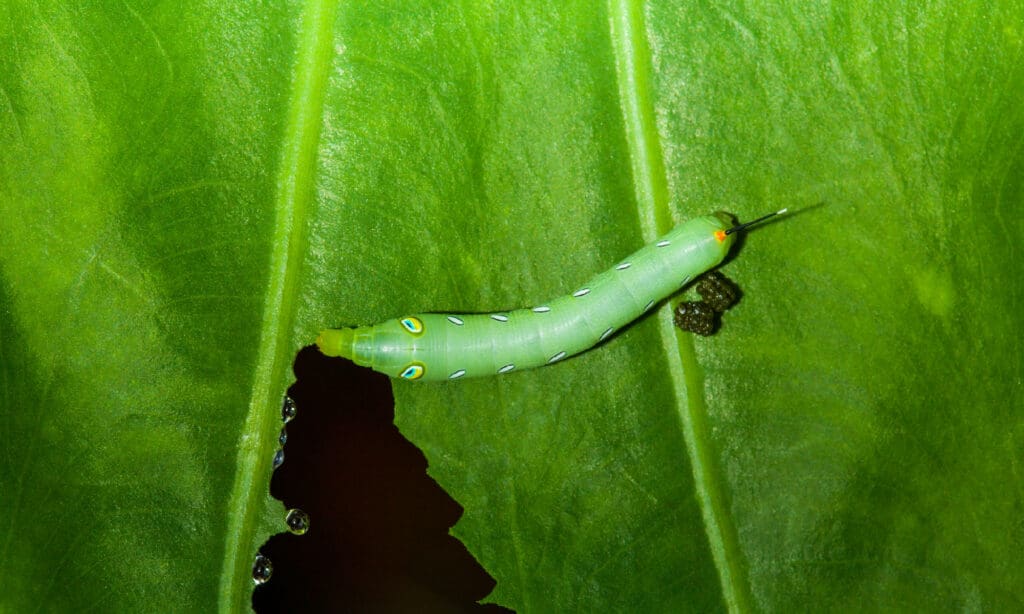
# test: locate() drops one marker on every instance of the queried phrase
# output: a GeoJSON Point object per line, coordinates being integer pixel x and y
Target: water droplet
{"type": "Point", "coordinates": [262, 569]}
{"type": "Point", "coordinates": [297, 521]}
{"type": "Point", "coordinates": [283, 437]}
{"type": "Point", "coordinates": [278, 458]}
{"type": "Point", "coordinates": [288, 409]}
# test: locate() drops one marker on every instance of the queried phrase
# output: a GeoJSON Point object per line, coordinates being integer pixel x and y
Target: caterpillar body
{"type": "Point", "coordinates": [440, 346]}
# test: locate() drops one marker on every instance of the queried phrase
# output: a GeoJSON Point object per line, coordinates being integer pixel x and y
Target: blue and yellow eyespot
{"type": "Point", "coordinates": [413, 371]}
{"type": "Point", "coordinates": [412, 325]}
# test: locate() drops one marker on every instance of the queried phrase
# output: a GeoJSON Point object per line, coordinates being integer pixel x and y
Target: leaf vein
{"type": "Point", "coordinates": [633, 71]}
{"type": "Point", "coordinates": [295, 190]}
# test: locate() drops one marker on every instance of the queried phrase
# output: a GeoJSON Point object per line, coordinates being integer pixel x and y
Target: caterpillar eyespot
{"type": "Point", "coordinates": [437, 346]}
{"type": "Point", "coordinates": [413, 372]}
{"type": "Point", "coordinates": [412, 324]}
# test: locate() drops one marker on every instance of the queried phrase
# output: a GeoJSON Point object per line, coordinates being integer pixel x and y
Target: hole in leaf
{"type": "Point", "coordinates": [378, 539]}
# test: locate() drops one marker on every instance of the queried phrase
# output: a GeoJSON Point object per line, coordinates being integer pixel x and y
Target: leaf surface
{"type": "Point", "coordinates": [187, 196]}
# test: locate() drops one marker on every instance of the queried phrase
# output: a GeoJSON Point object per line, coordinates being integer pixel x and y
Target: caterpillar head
{"type": "Point", "coordinates": [336, 342]}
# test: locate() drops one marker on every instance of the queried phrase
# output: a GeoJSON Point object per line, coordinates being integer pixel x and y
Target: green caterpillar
{"type": "Point", "coordinates": [440, 346]}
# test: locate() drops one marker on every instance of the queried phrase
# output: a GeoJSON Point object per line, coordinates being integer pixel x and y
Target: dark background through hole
{"type": "Point", "coordinates": [378, 538]}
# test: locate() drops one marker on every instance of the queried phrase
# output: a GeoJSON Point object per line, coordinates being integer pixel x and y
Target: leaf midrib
{"type": "Point", "coordinates": [633, 70]}
{"type": "Point", "coordinates": [292, 198]}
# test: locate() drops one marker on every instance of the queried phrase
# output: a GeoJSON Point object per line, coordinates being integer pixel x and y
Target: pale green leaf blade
{"type": "Point", "coordinates": [136, 229]}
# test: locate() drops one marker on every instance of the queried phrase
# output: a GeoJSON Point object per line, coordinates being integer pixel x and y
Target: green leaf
{"type": "Point", "coordinates": [144, 335]}
{"type": "Point", "coordinates": [186, 196]}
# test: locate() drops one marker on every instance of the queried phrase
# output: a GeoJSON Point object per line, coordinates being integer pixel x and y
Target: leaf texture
{"type": "Point", "coordinates": [187, 196]}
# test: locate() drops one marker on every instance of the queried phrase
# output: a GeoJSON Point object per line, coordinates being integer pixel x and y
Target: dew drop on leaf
{"type": "Point", "coordinates": [262, 569]}
{"type": "Point", "coordinates": [288, 409]}
{"type": "Point", "coordinates": [297, 521]}
{"type": "Point", "coordinates": [278, 458]}
{"type": "Point", "coordinates": [283, 437]}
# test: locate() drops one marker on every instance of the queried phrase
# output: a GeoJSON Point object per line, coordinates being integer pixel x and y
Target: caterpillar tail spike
{"type": "Point", "coordinates": [757, 221]}
{"type": "Point", "coordinates": [442, 346]}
